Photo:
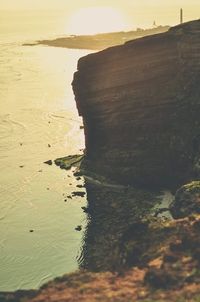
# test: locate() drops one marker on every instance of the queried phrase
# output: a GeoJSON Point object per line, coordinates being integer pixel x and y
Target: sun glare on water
{"type": "Point", "coordinates": [94, 20]}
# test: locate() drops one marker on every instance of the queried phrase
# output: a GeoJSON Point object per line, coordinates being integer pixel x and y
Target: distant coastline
{"type": "Point", "coordinates": [99, 41]}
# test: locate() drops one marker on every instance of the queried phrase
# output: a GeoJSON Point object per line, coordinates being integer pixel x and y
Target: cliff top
{"type": "Point", "coordinates": [191, 27]}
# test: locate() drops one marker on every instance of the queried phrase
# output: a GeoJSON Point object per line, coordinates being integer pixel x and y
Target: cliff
{"type": "Point", "coordinates": [140, 104]}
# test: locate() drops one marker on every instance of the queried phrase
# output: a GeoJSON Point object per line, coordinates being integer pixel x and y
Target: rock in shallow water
{"type": "Point", "coordinates": [140, 104]}
{"type": "Point", "coordinates": [67, 162]}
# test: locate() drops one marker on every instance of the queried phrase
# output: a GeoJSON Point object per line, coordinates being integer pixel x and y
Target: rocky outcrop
{"type": "Point", "coordinates": [187, 201]}
{"type": "Point", "coordinates": [140, 104]}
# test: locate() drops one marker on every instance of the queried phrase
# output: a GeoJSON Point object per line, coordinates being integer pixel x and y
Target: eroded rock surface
{"type": "Point", "coordinates": [187, 201]}
{"type": "Point", "coordinates": [140, 103]}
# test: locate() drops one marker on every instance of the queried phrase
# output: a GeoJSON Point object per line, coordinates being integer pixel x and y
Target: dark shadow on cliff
{"type": "Point", "coordinates": [140, 107]}
{"type": "Point", "coordinates": [117, 235]}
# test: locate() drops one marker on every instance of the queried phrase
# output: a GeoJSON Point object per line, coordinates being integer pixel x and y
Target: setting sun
{"type": "Point", "coordinates": [94, 20]}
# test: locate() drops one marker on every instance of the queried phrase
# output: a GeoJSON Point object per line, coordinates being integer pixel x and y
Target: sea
{"type": "Point", "coordinates": [38, 122]}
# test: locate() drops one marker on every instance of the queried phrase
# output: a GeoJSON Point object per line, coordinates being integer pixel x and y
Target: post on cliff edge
{"type": "Point", "coordinates": [181, 16]}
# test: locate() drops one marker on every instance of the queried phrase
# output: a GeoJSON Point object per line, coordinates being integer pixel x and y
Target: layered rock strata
{"type": "Point", "coordinates": [140, 104]}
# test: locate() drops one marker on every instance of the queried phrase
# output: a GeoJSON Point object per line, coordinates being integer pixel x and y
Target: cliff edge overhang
{"type": "Point", "coordinates": [140, 104]}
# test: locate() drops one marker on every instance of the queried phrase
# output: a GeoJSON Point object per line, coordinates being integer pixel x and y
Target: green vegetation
{"type": "Point", "coordinates": [69, 161]}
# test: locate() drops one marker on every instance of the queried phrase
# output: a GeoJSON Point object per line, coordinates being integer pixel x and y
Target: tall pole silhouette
{"type": "Point", "coordinates": [181, 15]}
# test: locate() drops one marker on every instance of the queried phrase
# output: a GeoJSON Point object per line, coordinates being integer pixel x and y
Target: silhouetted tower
{"type": "Point", "coordinates": [154, 24]}
{"type": "Point", "coordinates": [181, 16]}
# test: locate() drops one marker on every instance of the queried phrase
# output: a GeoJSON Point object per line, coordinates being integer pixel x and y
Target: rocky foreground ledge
{"type": "Point", "coordinates": [170, 253]}
{"type": "Point", "coordinates": [140, 104]}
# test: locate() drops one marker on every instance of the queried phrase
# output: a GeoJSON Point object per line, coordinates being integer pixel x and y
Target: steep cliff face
{"type": "Point", "coordinates": [140, 104]}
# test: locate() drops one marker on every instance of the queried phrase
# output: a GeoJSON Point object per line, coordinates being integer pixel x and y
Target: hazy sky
{"type": "Point", "coordinates": [34, 4]}
{"type": "Point", "coordinates": [141, 11]}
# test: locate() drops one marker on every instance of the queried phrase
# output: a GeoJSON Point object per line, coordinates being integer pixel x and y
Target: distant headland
{"type": "Point", "coordinates": [99, 41]}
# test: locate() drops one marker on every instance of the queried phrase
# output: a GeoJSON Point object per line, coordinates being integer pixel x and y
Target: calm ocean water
{"type": "Point", "coordinates": [38, 122]}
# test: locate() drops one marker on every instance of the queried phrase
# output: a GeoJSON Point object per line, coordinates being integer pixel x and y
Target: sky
{"type": "Point", "coordinates": [56, 4]}
{"type": "Point", "coordinates": [138, 13]}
